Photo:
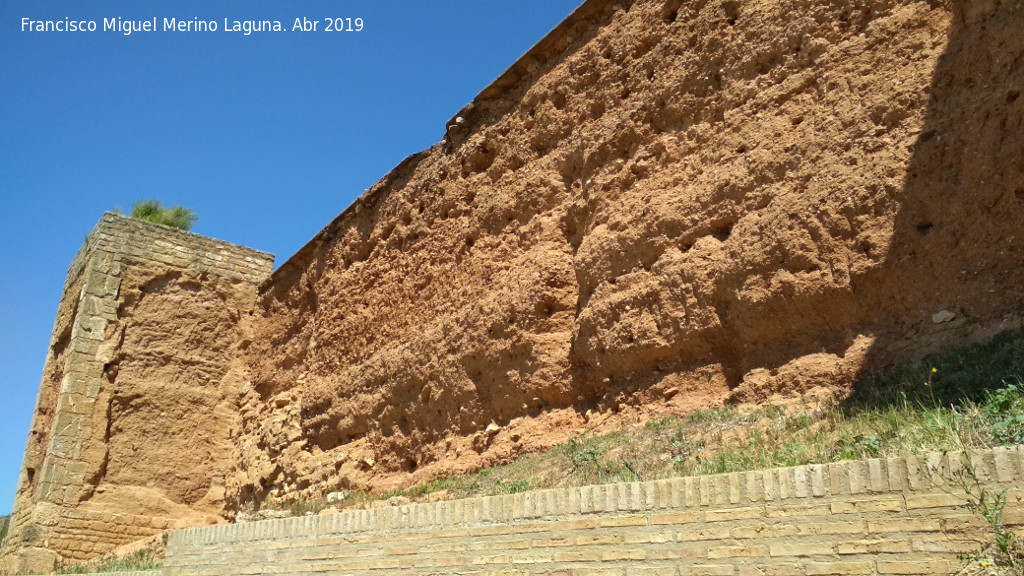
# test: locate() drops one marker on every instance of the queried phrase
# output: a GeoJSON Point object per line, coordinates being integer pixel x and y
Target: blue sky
{"type": "Point", "coordinates": [267, 136]}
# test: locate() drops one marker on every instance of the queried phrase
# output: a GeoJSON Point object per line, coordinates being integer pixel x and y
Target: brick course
{"type": "Point", "coordinates": [913, 522]}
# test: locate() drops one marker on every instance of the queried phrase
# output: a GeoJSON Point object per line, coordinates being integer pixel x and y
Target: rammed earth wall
{"type": "Point", "coordinates": [885, 516]}
{"type": "Point", "coordinates": [662, 206]}
{"type": "Point", "coordinates": [137, 384]}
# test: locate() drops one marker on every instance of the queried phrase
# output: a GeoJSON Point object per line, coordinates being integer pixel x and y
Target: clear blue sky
{"type": "Point", "coordinates": [267, 136]}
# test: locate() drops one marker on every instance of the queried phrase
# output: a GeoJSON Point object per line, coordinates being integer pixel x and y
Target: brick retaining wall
{"type": "Point", "coordinates": [884, 516]}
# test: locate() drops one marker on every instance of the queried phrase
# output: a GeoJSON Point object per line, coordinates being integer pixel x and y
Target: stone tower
{"type": "Point", "coordinates": [139, 392]}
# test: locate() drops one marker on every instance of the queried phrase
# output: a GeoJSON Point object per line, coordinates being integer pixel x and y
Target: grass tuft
{"type": "Point", "coordinates": [153, 211]}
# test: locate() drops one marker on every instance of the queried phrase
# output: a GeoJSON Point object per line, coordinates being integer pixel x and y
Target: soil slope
{"type": "Point", "coordinates": [674, 204]}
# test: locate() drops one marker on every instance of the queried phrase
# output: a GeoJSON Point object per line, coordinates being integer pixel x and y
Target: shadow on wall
{"type": "Point", "coordinates": [954, 264]}
{"type": "Point", "coordinates": [949, 269]}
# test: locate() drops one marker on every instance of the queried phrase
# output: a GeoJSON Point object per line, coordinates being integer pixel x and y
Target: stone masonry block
{"type": "Point", "coordinates": [636, 537]}
{"type": "Point", "coordinates": [530, 505]}
{"type": "Point", "coordinates": [703, 534]}
{"type": "Point", "coordinates": [838, 478]}
{"type": "Point", "coordinates": [936, 466]}
{"type": "Point", "coordinates": [1006, 469]}
{"type": "Point", "coordinates": [803, 510]}
{"type": "Point", "coordinates": [603, 540]}
{"type": "Point", "coordinates": [873, 547]}
{"type": "Point", "coordinates": [772, 570]}
{"type": "Point", "coordinates": [736, 481]}
{"type": "Point", "coordinates": [675, 518]}
{"type": "Point", "coordinates": [587, 499]}
{"type": "Point", "coordinates": [689, 494]}
{"type": "Point", "coordinates": [634, 497]}
{"type": "Point", "coordinates": [937, 500]}
{"type": "Point", "coordinates": [610, 498]}
{"type": "Point", "coordinates": [878, 478]}
{"type": "Point", "coordinates": [786, 481]}
{"type": "Point", "coordinates": [819, 479]}
{"type": "Point", "coordinates": [896, 470]}
{"type": "Point", "coordinates": [705, 490]}
{"type": "Point", "coordinates": [688, 552]}
{"type": "Point", "coordinates": [648, 495]}
{"type": "Point", "coordinates": [550, 498]}
{"type": "Point", "coordinates": [620, 521]}
{"type": "Point", "coordinates": [744, 513]}
{"type": "Point", "coordinates": [946, 545]}
{"type": "Point", "coordinates": [859, 480]}
{"type": "Point", "coordinates": [866, 506]}
{"type": "Point", "coordinates": [828, 568]}
{"type": "Point", "coordinates": [918, 477]}
{"type": "Point", "coordinates": [783, 549]}
{"type": "Point", "coordinates": [904, 525]}
{"type": "Point", "coordinates": [721, 489]}
{"type": "Point", "coordinates": [764, 531]}
{"type": "Point", "coordinates": [711, 570]}
{"type": "Point", "coordinates": [609, 571]}
{"type": "Point", "coordinates": [769, 485]}
{"type": "Point", "coordinates": [915, 567]}
{"type": "Point", "coordinates": [717, 552]}
{"type": "Point", "coordinates": [572, 501]}
{"type": "Point", "coordinates": [577, 524]}
{"type": "Point", "coordinates": [552, 542]}
{"type": "Point", "coordinates": [983, 464]}
{"type": "Point", "coordinates": [801, 482]}
{"type": "Point", "coordinates": [651, 571]}
{"type": "Point", "coordinates": [634, 554]}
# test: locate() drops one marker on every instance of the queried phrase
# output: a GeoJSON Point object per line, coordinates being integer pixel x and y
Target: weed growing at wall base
{"type": "Point", "coordinates": [1007, 549]}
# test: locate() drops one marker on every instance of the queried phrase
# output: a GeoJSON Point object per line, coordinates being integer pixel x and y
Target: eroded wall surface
{"type": "Point", "coordinates": [664, 205]}
{"type": "Point", "coordinates": [139, 394]}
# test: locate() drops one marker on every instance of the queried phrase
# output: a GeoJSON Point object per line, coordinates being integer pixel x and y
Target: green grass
{"type": "Point", "coordinates": [968, 373]}
{"type": "Point", "coordinates": [967, 399]}
{"type": "Point", "coordinates": [142, 560]}
{"type": "Point", "coordinates": [5, 523]}
{"type": "Point", "coordinates": [153, 211]}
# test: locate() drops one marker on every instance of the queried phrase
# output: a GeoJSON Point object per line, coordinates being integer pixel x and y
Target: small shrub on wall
{"type": "Point", "coordinates": [153, 211]}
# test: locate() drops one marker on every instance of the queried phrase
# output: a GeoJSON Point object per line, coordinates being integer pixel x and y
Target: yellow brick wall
{"type": "Point", "coordinates": [885, 516]}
